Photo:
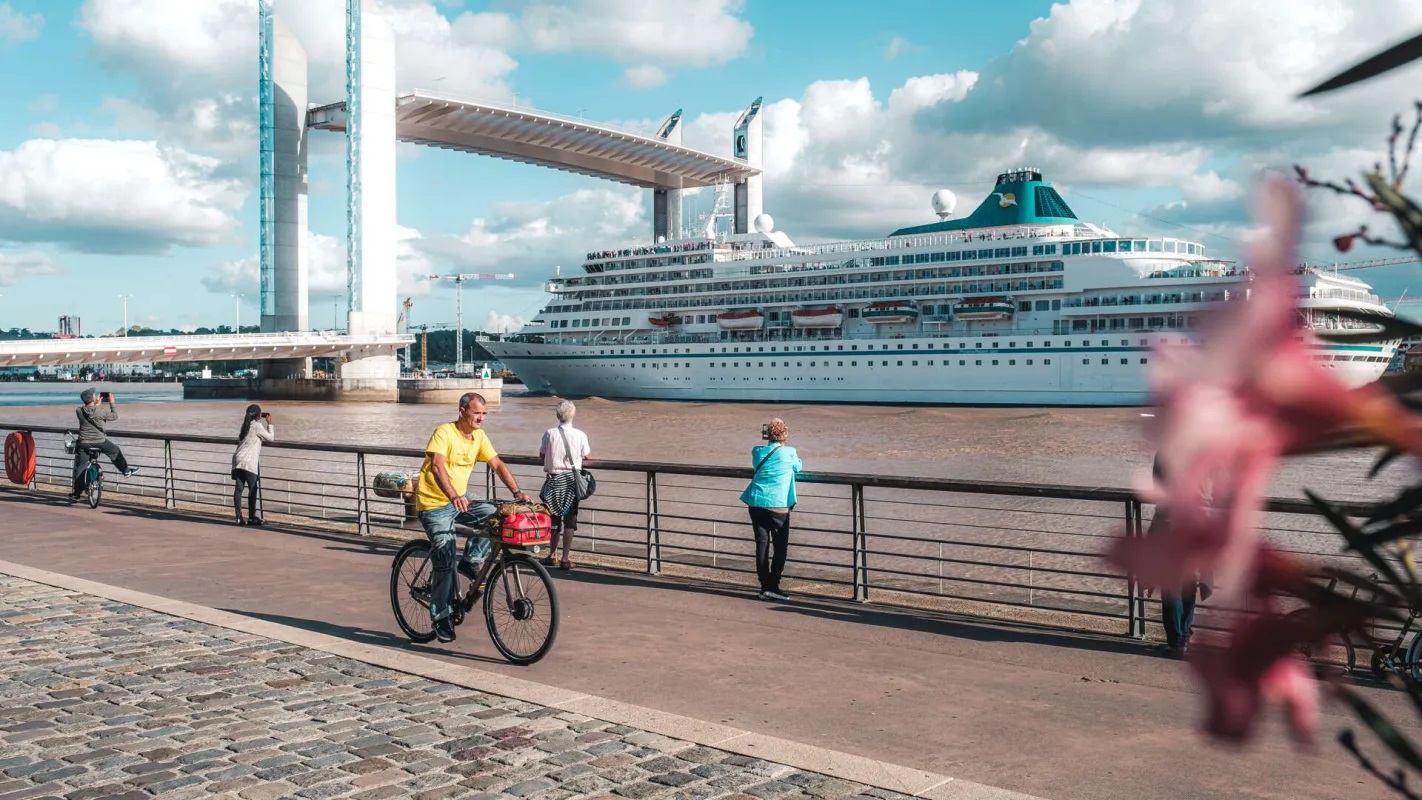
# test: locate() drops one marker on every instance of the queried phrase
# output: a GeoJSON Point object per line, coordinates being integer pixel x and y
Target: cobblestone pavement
{"type": "Point", "coordinates": [100, 699]}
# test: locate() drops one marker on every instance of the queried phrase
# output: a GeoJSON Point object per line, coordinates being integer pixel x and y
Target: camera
{"type": "Point", "coordinates": [765, 432]}
{"type": "Point", "coordinates": [106, 397]}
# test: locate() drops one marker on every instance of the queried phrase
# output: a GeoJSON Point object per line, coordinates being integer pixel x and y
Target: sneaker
{"type": "Point", "coordinates": [763, 595]}
{"type": "Point", "coordinates": [780, 596]}
{"type": "Point", "coordinates": [256, 522]}
{"type": "Point", "coordinates": [241, 522]}
{"type": "Point", "coordinates": [130, 472]}
{"type": "Point", "coordinates": [444, 630]}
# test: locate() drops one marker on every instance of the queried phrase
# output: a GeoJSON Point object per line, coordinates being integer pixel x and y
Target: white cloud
{"type": "Point", "coordinates": [495, 322]}
{"type": "Point", "coordinates": [103, 196]}
{"type": "Point", "coordinates": [896, 47]}
{"type": "Point", "coordinates": [195, 60]}
{"type": "Point", "coordinates": [45, 103]}
{"type": "Point", "coordinates": [530, 238]}
{"type": "Point", "coordinates": [17, 27]}
{"type": "Point", "coordinates": [326, 268]}
{"type": "Point", "coordinates": [46, 130]}
{"type": "Point", "coordinates": [14, 266]}
{"type": "Point", "coordinates": [645, 37]}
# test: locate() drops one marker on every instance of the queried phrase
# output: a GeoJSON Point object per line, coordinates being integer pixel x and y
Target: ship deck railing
{"type": "Point", "coordinates": [990, 548]}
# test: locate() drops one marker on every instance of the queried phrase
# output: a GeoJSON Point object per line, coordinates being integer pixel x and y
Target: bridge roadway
{"type": "Point", "coordinates": [1048, 713]}
{"type": "Point", "coordinates": [218, 347]}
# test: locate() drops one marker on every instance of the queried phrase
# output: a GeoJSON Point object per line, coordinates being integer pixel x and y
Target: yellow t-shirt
{"type": "Point", "coordinates": [460, 456]}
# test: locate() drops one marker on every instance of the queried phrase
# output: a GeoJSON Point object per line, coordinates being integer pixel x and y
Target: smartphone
{"type": "Point", "coordinates": [106, 397]}
{"type": "Point", "coordinates": [765, 432]}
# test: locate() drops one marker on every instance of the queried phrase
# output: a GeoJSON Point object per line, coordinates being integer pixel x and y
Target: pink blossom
{"type": "Point", "coordinates": [1229, 407]}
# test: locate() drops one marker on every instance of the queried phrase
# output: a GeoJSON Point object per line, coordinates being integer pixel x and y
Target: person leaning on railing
{"type": "Point", "coordinates": [563, 450]}
{"type": "Point", "coordinates": [443, 500]}
{"type": "Point", "coordinates": [246, 462]}
{"type": "Point", "coordinates": [771, 497]}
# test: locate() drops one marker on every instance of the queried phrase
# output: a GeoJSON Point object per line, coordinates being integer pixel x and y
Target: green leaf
{"type": "Point", "coordinates": [1382, 728]}
{"type": "Point", "coordinates": [1406, 212]}
{"type": "Point", "coordinates": [1359, 542]}
{"type": "Point", "coordinates": [1390, 455]}
{"type": "Point", "coordinates": [1409, 500]}
{"type": "Point", "coordinates": [1389, 59]}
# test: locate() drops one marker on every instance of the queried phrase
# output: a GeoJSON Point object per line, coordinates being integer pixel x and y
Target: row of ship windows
{"type": "Point", "coordinates": [944, 345]}
{"type": "Point", "coordinates": [962, 362]}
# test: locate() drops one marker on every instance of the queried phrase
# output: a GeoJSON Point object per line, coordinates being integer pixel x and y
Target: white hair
{"type": "Point", "coordinates": [566, 410]}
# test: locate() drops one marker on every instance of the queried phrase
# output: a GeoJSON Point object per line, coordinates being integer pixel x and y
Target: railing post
{"type": "Point", "coordinates": [170, 497]}
{"type": "Point", "coordinates": [861, 544]}
{"type": "Point", "coordinates": [1135, 604]}
{"type": "Point", "coordinates": [488, 483]}
{"type": "Point", "coordinates": [654, 536]}
{"type": "Point", "coordinates": [362, 499]}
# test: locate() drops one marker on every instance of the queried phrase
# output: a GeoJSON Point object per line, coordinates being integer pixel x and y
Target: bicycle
{"type": "Point", "coordinates": [516, 590]}
{"type": "Point", "coordinates": [91, 480]}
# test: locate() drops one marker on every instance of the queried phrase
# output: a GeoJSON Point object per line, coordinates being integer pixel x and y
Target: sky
{"type": "Point", "coordinates": [128, 144]}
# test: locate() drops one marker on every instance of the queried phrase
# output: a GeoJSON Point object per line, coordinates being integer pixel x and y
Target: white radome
{"type": "Point", "coordinates": [944, 202]}
{"type": "Point", "coordinates": [764, 223]}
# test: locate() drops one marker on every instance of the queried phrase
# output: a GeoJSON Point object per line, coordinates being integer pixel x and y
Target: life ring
{"type": "Point", "coordinates": [20, 457]}
{"type": "Point", "coordinates": [1034, 331]}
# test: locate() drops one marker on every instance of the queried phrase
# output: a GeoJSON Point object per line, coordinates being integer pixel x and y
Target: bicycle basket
{"type": "Point", "coordinates": [70, 442]}
{"type": "Point", "coordinates": [522, 524]}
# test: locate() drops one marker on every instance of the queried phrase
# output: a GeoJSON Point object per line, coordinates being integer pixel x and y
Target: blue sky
{"type": "Point", "coordinates": [128, 154]}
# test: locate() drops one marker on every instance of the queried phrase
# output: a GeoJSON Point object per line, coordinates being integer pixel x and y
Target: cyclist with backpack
{"type": "Point", "coordinates": [771, 497]}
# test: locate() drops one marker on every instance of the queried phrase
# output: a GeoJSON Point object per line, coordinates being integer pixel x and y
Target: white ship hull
{"type": "Point", "coordinates": [1016, 370]}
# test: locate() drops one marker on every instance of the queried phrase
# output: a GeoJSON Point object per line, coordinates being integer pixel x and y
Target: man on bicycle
{"type": "Point", "coordinates": [91, 435]}
{"type": "Point", "coordinates": [442, 499]}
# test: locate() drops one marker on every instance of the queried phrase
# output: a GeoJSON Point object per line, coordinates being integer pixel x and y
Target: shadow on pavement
{"type": "Point", "coordinates": [473, 626]}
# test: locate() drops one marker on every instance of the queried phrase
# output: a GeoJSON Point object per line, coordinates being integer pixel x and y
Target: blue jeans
{"type": "Point", "coordinates": [439, 526]}
{"type": "Point", "coordinates": [1178, 615]}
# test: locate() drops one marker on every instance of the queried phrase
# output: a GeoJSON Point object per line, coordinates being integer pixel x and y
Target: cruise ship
{"type": "Point", "coordinates": [1019, 303]}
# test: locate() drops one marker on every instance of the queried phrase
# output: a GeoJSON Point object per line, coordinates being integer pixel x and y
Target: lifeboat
{"type": "Point", "coordinates": [893, 312]}
{"type": "Point", "coordinates": [988, 308]}
{"type": "Point", "coordinates": [664, 320]}
{"type": "Point", "coordinates": [831, 317]}
{"type": "Point", "coordinates": [750, 320]}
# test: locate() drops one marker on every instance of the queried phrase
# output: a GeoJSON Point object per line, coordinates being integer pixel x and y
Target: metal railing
{"type": "Point", "coordinates": [1028, 551]}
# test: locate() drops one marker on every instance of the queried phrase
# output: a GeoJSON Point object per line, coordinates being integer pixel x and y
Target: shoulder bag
{"type": "Point", "coordinates": [585, 482]}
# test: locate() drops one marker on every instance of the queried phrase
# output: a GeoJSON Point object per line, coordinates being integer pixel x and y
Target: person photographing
{"type": "Point", "coordinates": [93, 416]}
{"type": "Point", "coordinates": [771, 497]}
{"type": "Point", "coordinates": [246, 462]}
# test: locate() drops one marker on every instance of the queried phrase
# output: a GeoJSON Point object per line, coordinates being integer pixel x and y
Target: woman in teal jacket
{"type": "Point", "coordinates": [771, 496]}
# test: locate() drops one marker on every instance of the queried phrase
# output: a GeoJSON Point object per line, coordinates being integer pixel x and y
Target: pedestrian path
{"type": "Point", "coordinates": [105, 699]}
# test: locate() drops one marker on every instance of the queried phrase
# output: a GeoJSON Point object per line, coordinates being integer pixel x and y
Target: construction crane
{"type": "Point", "coordinates": [1382, 262]}
{"type": "Point", "coordinates": [404, 319]}
{"type": "Point", "coordinates": [458, 281]}
{"type": "Point", "coordinates": [425, 341]}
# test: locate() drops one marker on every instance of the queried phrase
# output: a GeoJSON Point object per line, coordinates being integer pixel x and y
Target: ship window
{"type": "Point", "coordinates": [978, 345]}
{"type": "Point", "coordinates": [978, 362]}
{"type": "Point", "coordinates": [1109, 247]}
{"type": "Point", "coordinates": [1056, 305]}
{"type": "Point", "coordinates": [854, 363]}
{"type": "Point", "coordinates": [1155, 246]}
{"type": "Point", "coordinates": [1029, 362]}
{"type": "Point", "coordinates": [1012, 344]}
{"type": "Point", "coordinates": [1011, 362]}
{"type": "Point", "coordinates": [1143, 361]}
{"type": "Point", "coordinates": [1043, 305]}
{"type": "Point", "coordinates": [1104, 362]}
{"type": "Point", "coordinates": [1096, 247]}
{"type": "Point", "coordinates": [1105, 343]}
{"type": "Point", "coordinates": [885, 363]}
{"type": "Point", "coordinates": [1002, 252]}
{"type": "Point", "coordinates": [994, 345]}
{"type": "Point", "coordinates": [900, 347]}
{"type": "Point", "coordinates": [900, 364]}
{"type": "Point", "coordinates": [1025, 305]}
{"type": "Point", "coordinates": [839, 364]}
{"type": "Point", "coordinates": [1086, 361]}
{"type": "Point", "coordinates": [1126, 246]}
{"type": "Point", "coordinates": [930, 362]}
{"type": "Point", "coordinates": [915, 347]}
{"type": "Point", "coordinates": [1047, 361]}
{"type": "Point", "coordinates": [812, 363]}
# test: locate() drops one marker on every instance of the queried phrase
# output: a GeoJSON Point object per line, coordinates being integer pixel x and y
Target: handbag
{"type": "Point", "coordinates": [586, 484]}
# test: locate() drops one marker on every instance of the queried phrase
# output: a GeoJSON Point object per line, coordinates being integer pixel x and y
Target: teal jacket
{"type": "Point", "coordinates": [774, 485]}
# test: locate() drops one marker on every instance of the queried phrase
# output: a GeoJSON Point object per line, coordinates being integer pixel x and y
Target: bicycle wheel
{"type": "Point", "coordinates": [1414, 657]}
{"type": "Point", "coordinates": [410, 591]}
{"type": "Point", "coordinates": [1332, 657]}
{"type": "Point", "coordinates": [521, 608]}
{"type": "Point", "coordinates": [94, 489]}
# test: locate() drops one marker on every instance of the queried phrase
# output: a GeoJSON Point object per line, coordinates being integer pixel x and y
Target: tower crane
{"type": "Point", "coordinates": [458, 281]}
{"type": "Point", "coordinates": [424, 341]}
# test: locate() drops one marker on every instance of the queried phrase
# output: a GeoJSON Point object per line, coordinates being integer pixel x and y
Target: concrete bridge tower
{"type": "Point", "coordinates": [666, 203]}
{"type": "Point", "coordinates": [283, 270]}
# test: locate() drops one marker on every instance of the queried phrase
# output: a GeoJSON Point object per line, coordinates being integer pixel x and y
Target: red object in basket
{"type": "Point", "coordinates": [527, 527]}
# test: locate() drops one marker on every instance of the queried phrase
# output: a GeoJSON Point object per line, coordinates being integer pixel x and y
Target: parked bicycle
{"type": "Point", "coordinates": [1337, 654]}
{"type": "Point", "coordinates": [91, 479]}
{"type": "Point", "coordinates": [520, 603]}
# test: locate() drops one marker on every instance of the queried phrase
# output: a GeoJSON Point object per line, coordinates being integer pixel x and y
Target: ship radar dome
{"type": "Point", "coordinates": [764, 223]}
{"type": "Point", "coordinates": [944, 202]}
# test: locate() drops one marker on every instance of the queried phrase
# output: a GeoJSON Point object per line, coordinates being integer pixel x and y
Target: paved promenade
{"type": "Point", "coordinates": [106, 700]}
{"type": "Point", "coordinates": [1044, 713]}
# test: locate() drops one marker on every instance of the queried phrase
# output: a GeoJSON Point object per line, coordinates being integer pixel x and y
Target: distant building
{"type": "Point", "coordinates": [69, 327]}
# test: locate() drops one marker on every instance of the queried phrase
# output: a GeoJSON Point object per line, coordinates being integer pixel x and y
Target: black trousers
{"type": "Point", "coordinates": [240, 478]}
{"type": "Point", "coordinates": [81, 460]}
{"type": "Point", "coordinates": [772, 536]}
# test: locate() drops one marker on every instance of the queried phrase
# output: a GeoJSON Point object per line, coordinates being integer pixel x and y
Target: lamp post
{"type": "Point", "coordinates": [124, 298]}
{"type": "Point", "coordinates": [239, 297]}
